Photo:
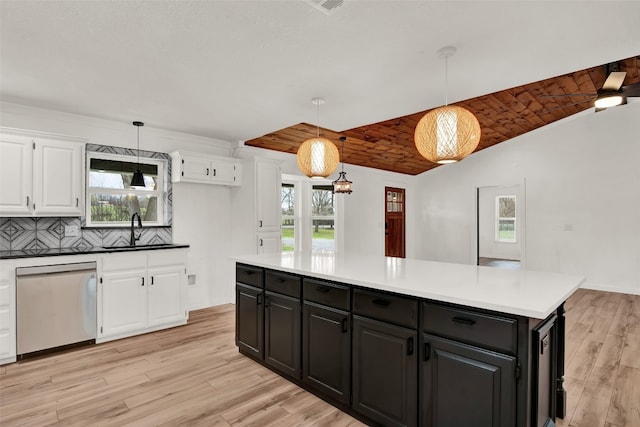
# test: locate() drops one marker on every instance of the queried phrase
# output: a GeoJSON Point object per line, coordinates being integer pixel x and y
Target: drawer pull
{"type": "Point", "coordinates": [464, 321]}
{"type": "Point", "coordinates": [345, 325]}
{"type": "Point", "coordinates": [410, 346]}
{"type": "Point", "coordinates": [381, 302]}
{"type": "Point", "coordinates": [249, 272]}
{"type": "Point", "coordinates": [324, 289]}
{"type": "Point", "coordinates": [427, 351]}
{"type": "Point", "coordinates": [281, 280]}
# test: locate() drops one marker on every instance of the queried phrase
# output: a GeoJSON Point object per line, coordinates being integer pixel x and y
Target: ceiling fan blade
{"type": "Point", "coordinates": [567, 94]}
{"type": "Point", "coordinates": [614, 81]}
{"type": "Point", "coordinates": [565, 106]}
{"type": "Point", "coordinates": [631, 90]}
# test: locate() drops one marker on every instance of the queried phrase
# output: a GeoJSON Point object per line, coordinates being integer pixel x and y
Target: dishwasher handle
{"type": "Point", "coordinates": [59, 268]}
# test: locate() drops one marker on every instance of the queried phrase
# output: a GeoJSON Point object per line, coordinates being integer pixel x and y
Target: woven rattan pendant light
{"type": "Point", "coordinates": [317, 157]}
{"type": "Point", "coordinates": [447, 134]}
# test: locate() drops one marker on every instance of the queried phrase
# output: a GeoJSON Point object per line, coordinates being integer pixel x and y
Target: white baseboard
{"type": "Point", "coordinates": [609, 288]}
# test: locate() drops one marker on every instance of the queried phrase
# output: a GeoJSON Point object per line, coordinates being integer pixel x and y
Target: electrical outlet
{"type": "Point", "coordinates": [191, 279]}
{"type": "Point", "coordinates": [71, 231]}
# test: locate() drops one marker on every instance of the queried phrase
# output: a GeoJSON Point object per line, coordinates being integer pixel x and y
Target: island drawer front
{"type": "Point", "coordinates": [249, 275]}
{"type": "Point", "coordinates": [283, 283]}
{"type": "Point", "coordinates": [498, 333]}
{"type": "Point", "coordinates": [326, 293]}
{"type": "Point", "coordinates": [388, 308]}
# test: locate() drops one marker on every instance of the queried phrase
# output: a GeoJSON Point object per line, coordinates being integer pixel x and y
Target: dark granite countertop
{"type": "Point", "coordinates": [32, 253]}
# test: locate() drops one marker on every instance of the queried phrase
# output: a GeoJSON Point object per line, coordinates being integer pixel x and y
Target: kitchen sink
{"type": "Point", "coordinates": [149, 246]}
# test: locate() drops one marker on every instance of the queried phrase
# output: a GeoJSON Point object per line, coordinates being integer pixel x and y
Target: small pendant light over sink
{"type": "Point", "coordinates": [317, 157]}
{"type": "Point", "coordinates": [137, 181]}
{"type": "Point", "coordinates": [342, 184]}
{"type": "Point", "coordinates": [447, 134]}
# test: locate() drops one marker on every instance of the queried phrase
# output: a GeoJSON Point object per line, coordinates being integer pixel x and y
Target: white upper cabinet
{"type": "Point", "coordinates": [16, 197]}
{"type": "Point", "coordinates": [57, 177]}
{"type": "Point", "coordinates": [42, 175]}
{"type": "Point", "coordinates": [206, 169]}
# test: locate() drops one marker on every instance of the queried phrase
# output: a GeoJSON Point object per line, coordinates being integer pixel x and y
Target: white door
{"type": "Point", "coordinates": [124, 302]}
{"type": "Point", "coordinates": [268, 193]}
{"type": "Point", "coordinates": [195, 169]}
{"type": "Point", "coordinates": [166, 299]}
{"type": "Point", "coordinates": [57, 167]}
{"type": "Point", "coordinates": [15, 175]}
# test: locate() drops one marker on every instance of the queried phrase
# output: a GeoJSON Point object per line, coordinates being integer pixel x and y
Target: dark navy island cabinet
{"type": "Point", "coordinates": [395, 360]}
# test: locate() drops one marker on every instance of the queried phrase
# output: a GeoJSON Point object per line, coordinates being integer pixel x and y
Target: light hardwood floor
{"type": "Point", "coordinates": [193, 375]}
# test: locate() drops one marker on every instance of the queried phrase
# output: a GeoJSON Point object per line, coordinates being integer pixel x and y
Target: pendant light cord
{"type": "Point", "coordinates": [318, 120]}
{"type": "Point", "coordinates": [446, 80]}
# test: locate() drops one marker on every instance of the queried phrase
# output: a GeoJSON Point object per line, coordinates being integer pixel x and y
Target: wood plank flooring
{"type": "Point", "coordinates": [194, 375]}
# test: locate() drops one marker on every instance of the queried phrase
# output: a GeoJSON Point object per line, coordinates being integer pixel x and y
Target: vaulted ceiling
{"type": "Point", "coordinates": [234, 71]}
{"type": "Point", "coordinates": [503, 115]}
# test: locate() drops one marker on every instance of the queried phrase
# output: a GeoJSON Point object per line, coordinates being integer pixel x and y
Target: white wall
{"type": "Point", "coordinates": [582, 195]}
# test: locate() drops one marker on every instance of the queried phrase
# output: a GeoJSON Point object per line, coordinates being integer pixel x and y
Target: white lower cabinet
{"type": "Point", "coordinates": [7, 313]}
{"type": "Point", "coordinates": [141, 292]}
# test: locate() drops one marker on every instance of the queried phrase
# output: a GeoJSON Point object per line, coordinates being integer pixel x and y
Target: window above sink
{"type": "Point", "coordinates": [111, 201]}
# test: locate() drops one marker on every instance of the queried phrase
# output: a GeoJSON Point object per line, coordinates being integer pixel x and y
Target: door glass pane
{"type": "Point", "coordinates": [288, 217]}
{"type": "Point", "coordinates": [322, 218]}
{"type": "Point", "coordinates": [507, 207]}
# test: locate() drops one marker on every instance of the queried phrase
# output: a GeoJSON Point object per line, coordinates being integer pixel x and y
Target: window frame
{"type": "Point", "coordinates": [303, 223]}
{"type": "Point", "coordinates": [499, 218]}
{"type": "Point", "coordinates": [160, 193]}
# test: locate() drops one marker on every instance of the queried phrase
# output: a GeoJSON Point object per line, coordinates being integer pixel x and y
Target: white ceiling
{"type": "Point", "coordinates": [235, 70]}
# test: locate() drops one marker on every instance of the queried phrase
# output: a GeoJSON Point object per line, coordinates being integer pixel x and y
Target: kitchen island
{"type": "Point", "coordinates": [409, 342]}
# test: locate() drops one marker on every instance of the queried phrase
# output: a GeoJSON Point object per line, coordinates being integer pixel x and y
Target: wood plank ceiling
{"type": "Point", "coordinates": [503, 115]}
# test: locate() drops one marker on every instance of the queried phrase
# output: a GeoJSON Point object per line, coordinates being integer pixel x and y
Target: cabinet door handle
{"type": "Point", "coordinates": [427, 351]}
{"type": "Point", "coordinates": [27, 201]}
{"type": "Point", "coordinates": [152, 280]}
{"type": "Point", "coordinates": [143, 281]}
{"type": "Point", "coordinates": [214, 172]}
{"type": "Point", "coordinates": [260, 242]}
{"type": "Point", "coordinates": [77, 202]}
{"type": "Point", "coordinates": [260, 223]}
{"type": "Point", "coordinates": [266, 301]}
{"type": "Point", "coordinates": [324, 289]}
{"type": "Point", "coordinates": [410, 346]}
{"type": "Point", "coordinates": [345, 325]}
{"type": "Point", "coordinates": [207, 171]}
{"type": "Point", "coordinates": [381, 302]}
{"type": "Point", "coordinates": [464, 321]}
{"type": "Point", "coordinates": [259, 299]}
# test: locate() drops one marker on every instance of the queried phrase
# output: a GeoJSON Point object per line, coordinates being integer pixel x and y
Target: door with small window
{"type": "Point", "coordinates": [394, 222]}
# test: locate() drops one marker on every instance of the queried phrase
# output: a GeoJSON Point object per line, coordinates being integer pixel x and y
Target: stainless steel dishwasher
{"type": "Point", "coordinates": [56, 306]}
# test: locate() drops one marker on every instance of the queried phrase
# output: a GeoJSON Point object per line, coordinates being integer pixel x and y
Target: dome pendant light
{"type": "Point", "coordinates": [342, 184]}
{"type": "Point", "coordinates": [317, 157]}
{"type": "Point", "coordinates": [137, 181]}
{"type": "Point", "coordinates": [450, 133]}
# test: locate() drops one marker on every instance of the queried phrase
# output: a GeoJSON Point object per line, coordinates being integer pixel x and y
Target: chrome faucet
{"type": "Point", "coordinates": [133, 238]}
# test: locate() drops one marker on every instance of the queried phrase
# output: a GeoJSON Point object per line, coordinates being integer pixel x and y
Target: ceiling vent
{"type": "Point", "coordinates": [327, 6]}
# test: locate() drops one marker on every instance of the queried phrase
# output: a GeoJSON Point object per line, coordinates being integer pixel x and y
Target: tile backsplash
{"type": "Point", "coordinates": [20, 233]}
{"type": "Point", "coordinates": [49, 233]}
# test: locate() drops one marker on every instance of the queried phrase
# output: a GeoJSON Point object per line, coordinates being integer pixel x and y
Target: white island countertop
{"type": "Point", "coordinates": [525, 293]}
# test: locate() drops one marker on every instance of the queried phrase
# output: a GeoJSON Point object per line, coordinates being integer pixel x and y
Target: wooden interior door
{"type": "Point", "coordinates": [394, 222]}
